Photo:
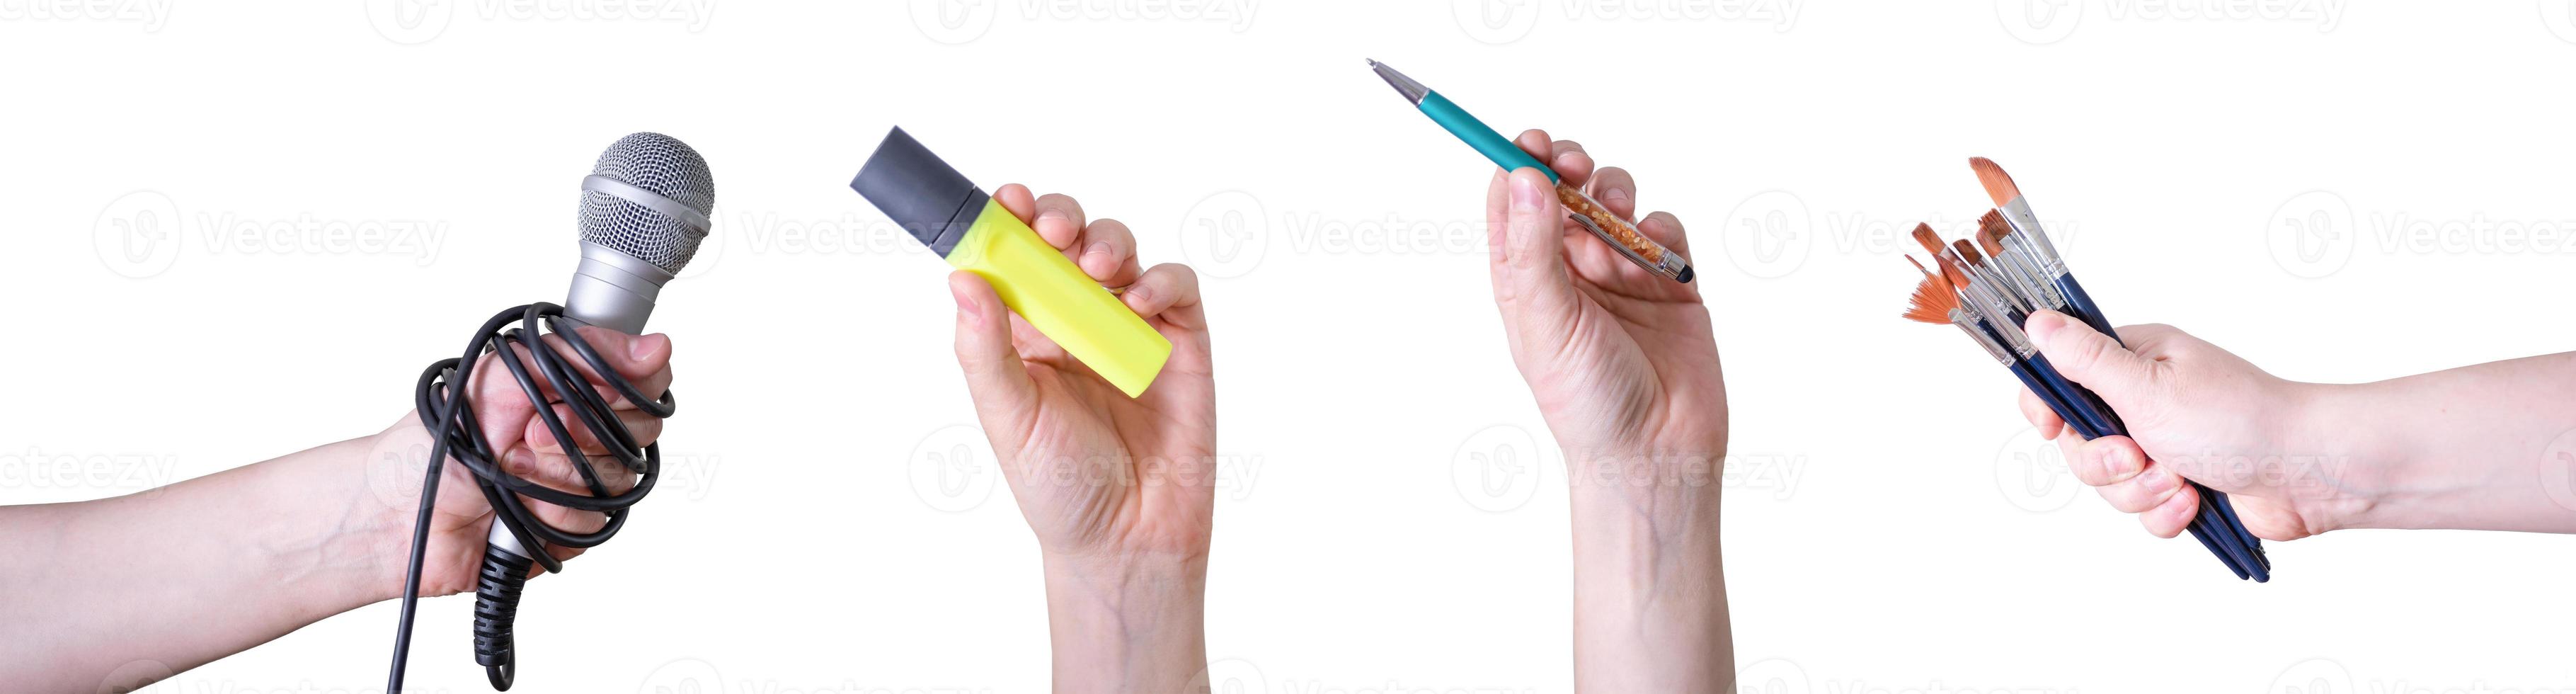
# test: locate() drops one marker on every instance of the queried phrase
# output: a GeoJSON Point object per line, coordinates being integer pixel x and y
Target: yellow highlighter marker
{"type": "Point", "coordinates": [946, 212]}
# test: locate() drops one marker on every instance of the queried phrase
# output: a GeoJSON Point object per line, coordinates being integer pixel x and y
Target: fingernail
{"type": "Point", "coordinates": [966, 312]}
{"type": "Point", "coordinates": [520, 462]}
{"type": "Point", "coordinates": [1097, 248]}
{"type": "Point", "coordinates": [1138, 294]}
{"type": "Point", "coordinates": [1526, 195]}
{"type": "Point", "coordinates": [2042, 325]}
{"type": "Point", "coordinates": [2118, 462]}
{"type": "Point", "coordinates": [2157, 480]}
{"type": "Point", "coordinates": [644, 347]}
{"type": "Point", "coordinates": [1614, 194]}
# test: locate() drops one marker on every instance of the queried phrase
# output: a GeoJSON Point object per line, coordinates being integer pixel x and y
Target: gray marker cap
{"type": "Point", "coordinates": [921, 193]}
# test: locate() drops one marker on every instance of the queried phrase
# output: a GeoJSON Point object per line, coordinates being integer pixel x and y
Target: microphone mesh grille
{"type": "Point", "coordinates": [658, 163]}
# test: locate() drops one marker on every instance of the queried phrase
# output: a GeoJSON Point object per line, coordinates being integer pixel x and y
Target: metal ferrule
{"type": "Point", "coordinates": [1988, 276]}
{"type": "Point", "coordinates": [1990, 305]}
{"type": "Point", "coordinates": [2026, 227]}
{"type": "Point", "coordinates": [1969, 325]}
{"type": "Point", "coordinates": [2027, 280]}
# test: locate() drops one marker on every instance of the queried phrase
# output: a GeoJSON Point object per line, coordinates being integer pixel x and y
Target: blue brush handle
{"type": "Point", "coordinates": [2039, 385]}
{"type": "Point", "coordinates": [2216, 509]}
{"type": "Point", "coordinates": [2081, 304]}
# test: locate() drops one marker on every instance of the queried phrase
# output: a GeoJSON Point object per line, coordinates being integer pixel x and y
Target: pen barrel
{"type": "Point", "coordinates": [1622, 235]}
{"type": "Point", "coordinates": [1480, 136]}
{"type": "Point", "coordinates": [1059, 300]}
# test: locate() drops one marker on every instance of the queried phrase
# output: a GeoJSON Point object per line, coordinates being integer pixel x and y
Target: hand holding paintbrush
{"type": "Point", "coordinates": [2019, 277]}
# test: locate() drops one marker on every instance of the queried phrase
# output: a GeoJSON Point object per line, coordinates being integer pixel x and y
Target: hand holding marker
{"type": "Point", "coordinates": [1585, 211]}
{"type": "Point", "coordinates": [1990, 295]}
{"type": "Point", "coordinates": [968, 228]}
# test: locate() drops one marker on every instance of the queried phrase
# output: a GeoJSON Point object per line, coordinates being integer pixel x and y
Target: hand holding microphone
{"type": "Point", "coordinates": [643, 212]}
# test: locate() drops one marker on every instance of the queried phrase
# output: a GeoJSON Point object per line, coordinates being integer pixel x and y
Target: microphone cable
{"type": "Point", "coordinates": [443, 407]}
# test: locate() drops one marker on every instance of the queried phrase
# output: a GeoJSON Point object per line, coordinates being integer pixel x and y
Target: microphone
{"type": "Point", "coordinates": [644, 210]}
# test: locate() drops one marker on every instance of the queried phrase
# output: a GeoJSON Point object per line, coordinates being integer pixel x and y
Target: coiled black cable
{"type": "Point", "coordinates": [442, 405]}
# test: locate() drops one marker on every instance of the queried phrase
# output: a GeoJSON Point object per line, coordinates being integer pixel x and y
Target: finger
{"type": "Point", "coordinates": [1108, 253]}
{"type": "Point", "coordinates": [2090, 358]}
{"type": "Point", "coordinates": [2143, 491]}
{"type": "Point", "coordinates": [558, 472]}
{"type": "Point", "coordinates": [2041, 416]}
{"type": "Point", "coordinates": [644, 428]}
{"type": "Point", "coordinates": [1059, 220]}
{"type": "Point", "coordinates": [2107, 460]}
{"type": "Point", "coordinates": [1570, 162]}
{"type": "Point", "coordinates": [1162, 288]}
{"type": "Point", "coordinates": [643, 361]}
{"type": "Point", "coordinates": [1531, 284]}
{"type": "Point", "coordinates": [995, 376]}
{"type": "Point", "coordinates": [2175, 514]}
{"type": "Point", "coordinates": [1666, 229]}
{"type": "Point", "coordinates": [1019, 201]}
{"type": "Point", "coordinates": [1616, 189]}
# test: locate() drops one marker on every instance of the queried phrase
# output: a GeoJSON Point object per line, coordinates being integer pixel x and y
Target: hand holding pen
{"type": "Point", "coordinates": [1582, 209]}
{"type": "Point", "coordinates": [1624, 366]}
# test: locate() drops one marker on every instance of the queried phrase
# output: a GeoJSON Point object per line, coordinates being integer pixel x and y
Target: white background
{"type": "Point", "coordinates": [1390, 523]}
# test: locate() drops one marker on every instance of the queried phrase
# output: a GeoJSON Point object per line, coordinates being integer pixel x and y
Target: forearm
{"type": "Point", "coordinates": [1127, 625]}
{"type": "Point", "coordinates": [168, 579]}
{"type": "Point", "coordinates": [2469, 448]}
{"type": "Point", "coordinates": [1649, 587]}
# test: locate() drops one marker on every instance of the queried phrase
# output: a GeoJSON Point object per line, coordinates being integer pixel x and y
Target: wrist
{"type": "Point", "coordinates": [1127, 623]}
{"type": "Point", "coordinates": [2344, 465]}
{"type": "Point", "coordinates": [1649, 587]}
{"type": "Point", "coordinates": [332, 552]}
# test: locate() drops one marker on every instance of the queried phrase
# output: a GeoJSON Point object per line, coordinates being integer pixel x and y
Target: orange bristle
{"type": "Point", "coordinates": [1950, 272]}
{"type": "Point", "coordinates": [1968, 253]}
{"type": "Point", "coordinates": [1931, 241]}
{"type": "Point", "coordinates": [1999, 186]}
{"type": "Point", "coordinates": [1931, 302]}
{"type": "Point", "coordinates": [1991, 229]}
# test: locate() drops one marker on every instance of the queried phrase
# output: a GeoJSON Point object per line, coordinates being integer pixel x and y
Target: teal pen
{"type": "Point", "coordinates": [1586, 212]}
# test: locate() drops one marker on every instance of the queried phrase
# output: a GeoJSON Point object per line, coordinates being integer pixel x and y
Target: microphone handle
{"type": "Point", "coordinates": [610, 290]}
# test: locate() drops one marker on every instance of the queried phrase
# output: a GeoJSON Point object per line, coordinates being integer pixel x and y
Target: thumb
{"type": "Point", "coordinates": [2090, 358]}
{"type": "Point", "coordinates": [1530, 279]}
{"type": "Point", "coordinates": [995, 377]}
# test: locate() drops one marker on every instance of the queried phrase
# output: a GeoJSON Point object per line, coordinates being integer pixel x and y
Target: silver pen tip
{"type": "Point", "coordinates": [1412, 91]}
